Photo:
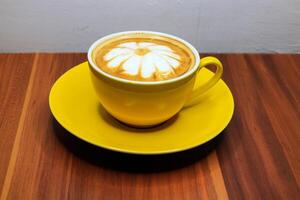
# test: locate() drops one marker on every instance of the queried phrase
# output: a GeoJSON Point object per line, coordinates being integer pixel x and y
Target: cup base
{"type": "Point", "coordinates": [141, 126]}
{"type": "Point", "coordinates": [156, 126]}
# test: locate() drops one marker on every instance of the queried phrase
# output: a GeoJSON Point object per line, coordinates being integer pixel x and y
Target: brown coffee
{"type": "Point", "coordinates": [143, 57]}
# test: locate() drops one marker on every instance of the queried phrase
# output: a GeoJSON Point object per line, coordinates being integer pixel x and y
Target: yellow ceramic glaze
{"type": "Point", "coordinates": [146, 105]}
{"type": "Point", "coordinates": [76, 107]}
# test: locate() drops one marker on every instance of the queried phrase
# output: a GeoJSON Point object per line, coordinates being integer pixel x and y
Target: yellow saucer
{"type": "Point", "coordinates": [76, 107]}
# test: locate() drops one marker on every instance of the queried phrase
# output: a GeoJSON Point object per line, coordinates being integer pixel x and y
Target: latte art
{"type": "Point", "coordinates": [144, 59]}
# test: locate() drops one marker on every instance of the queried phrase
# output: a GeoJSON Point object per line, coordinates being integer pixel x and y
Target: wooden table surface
{"type": "Point", "coordinates": [256, 156]}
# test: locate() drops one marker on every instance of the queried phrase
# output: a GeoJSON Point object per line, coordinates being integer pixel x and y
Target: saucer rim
{"type": "Point", "coordinates": [136, 152]}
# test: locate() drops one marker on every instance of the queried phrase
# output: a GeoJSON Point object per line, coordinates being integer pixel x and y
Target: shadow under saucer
{"type": "Point", "coordinates": [132, 162]}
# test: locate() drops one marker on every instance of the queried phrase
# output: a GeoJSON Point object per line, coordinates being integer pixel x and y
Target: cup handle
{"type": "Point", "coordinates": [197, 92]}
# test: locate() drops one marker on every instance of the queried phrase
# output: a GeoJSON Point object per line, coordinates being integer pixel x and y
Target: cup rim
{"type": "Point", "coordinates": [185, 75]}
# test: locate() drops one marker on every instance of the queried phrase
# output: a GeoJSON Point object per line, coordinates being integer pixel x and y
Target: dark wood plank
{"type": "Point", "coordinates": [259, 156]}
{"type": "Point", "coordinates": [14, 76]}
{"type": "Point", "coordinates": [256, 157]}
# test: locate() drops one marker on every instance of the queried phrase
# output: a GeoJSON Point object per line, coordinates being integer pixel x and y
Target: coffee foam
{"type": "Point", "coordinates": [144, 58]}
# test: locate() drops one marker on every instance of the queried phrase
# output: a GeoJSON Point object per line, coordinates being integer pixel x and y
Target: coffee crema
{"type": "Point", "coordinates": [143, 57]}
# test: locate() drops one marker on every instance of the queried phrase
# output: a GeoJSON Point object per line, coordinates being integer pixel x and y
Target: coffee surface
{"type": "Point", "coordinates": [143, 57]}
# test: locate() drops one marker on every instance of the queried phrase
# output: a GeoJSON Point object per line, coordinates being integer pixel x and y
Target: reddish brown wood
{"type": "Point", "coordinates": [256, 157]}
{"type": "Point", "coordinates": [261, 149]}
{"type": "Point", "coordinates": [15, 71]}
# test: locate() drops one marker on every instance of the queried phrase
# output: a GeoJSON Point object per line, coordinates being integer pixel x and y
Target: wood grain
{"type": "Point", "coordinates": [256, 151]}
{"type": "Point", "coordinates": [256, 156]}
{"type": "Point", "coordinates": [15, 70]}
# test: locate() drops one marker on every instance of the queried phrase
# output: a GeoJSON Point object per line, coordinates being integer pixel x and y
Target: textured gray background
{"type": "Point", "coordinates": [210, 25]}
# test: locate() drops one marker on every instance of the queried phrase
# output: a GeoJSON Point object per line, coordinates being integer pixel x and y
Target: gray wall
{"type": "Point", "coordinates": [210, 25]}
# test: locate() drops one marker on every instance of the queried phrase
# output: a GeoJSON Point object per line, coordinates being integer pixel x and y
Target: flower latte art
{"type": "Point", "coordinates": [144, 58]}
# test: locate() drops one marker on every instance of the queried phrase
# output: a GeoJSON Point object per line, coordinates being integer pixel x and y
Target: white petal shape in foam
{"type": "Point", "coordinates": [145, 44]}
{"type": "Point", "coordinates": [175, 63]}
{"type": "Point", "coordinates": [130, 45]}
{"type": "Point", "coordinates": [148, 67]}
{"type": "Point", "coordinates": [132, 65]}
{"type": "Point", "coordinates": [160, 47]}
{"type": "Point", "coordinates": [160, 63]}
{"type": "Point", "coordinates": [167, 53]}
{"type": "Point", "coordinates": [116, 52]}
{"type": "Point", "coordinates": [115, 62]}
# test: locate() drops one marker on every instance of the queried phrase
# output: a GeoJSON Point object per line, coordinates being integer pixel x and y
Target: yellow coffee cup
{"type": "Point", "coordinates": [148, 103]}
